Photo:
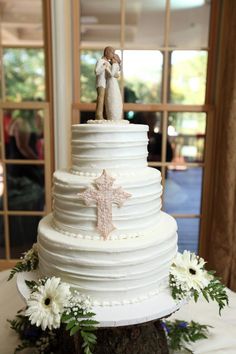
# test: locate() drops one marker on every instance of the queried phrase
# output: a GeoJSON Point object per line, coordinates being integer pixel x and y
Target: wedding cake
{"type": "Point", "coordinates": [107, 236]}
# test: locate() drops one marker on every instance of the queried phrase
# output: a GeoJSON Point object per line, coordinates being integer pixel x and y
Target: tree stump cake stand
{"type": "Point", "coordinates": [123, 329]}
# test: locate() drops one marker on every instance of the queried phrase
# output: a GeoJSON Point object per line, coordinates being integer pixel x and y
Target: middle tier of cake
{"type": "Point", "coordinates": [137, 216]}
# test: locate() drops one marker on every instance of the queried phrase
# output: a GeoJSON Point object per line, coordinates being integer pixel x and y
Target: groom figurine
{"type": "Point", "coordinates": [101, 80]}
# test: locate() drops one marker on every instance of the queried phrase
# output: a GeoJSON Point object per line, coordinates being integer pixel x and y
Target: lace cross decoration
{"type": "Point", "coordinates": [104, 195]}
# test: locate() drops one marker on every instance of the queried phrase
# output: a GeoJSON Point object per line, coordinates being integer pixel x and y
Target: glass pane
{"type": "Point", "coordinates": [189, 23]}
{"type": "Point", "coordinates": [142, 75]}
{"type": "Point", "coordinates": [25, 186]}
{"type": "Point", "coordinates": [188, 76]}
{"type": "Point", "coordinates": [144, 23]}
{"type": "Point", "coordinates": [100, 23]}
{"type": "Point", "coordinates": [183, 191]}
{"type": "Point", "coordinates": [2, 239]}
{"type": "Point", "coordinates": [21, 23]}
{"type": "Point", "coordinates": [186, 133]}
{"type": "Point", "coordinates": [1, 186]}
{"type": "Point", "coordinates": [24, 75]}
{"type": "Point", "coordinates": [23, 233]}
{"type": "Point", "coordinates": [23, 134]}
{"type": "Point", "coordinates": [188, 234]}
{"type": "Point", "coordinates": [88, 59]}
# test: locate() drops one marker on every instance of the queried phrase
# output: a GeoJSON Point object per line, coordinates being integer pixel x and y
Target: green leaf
{"type": "Point", "coordinates": [70, 324]}
{"type": "Point", "coordinates": [65, 318]}
{"type": "Point", "coordinates": [204, 293]}
{"type": "Point", "coordinates": [88, 322]}
{"type": "Point", "coordinates": [90, 337]}
{"type": "Point", "coordinates": [31, 284]}
{"type": "Point", "coordinates": [217, 292]}
{"type": "Point", "coordinates": [195, 295]}
{"type": "Point", "coordinates": [90, 314]}
{"type": "Point", "coordinates": [74, 329]}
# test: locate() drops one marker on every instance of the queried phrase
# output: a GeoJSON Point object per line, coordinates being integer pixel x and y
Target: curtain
{"type": "Point", "coordinates": [222, 246]}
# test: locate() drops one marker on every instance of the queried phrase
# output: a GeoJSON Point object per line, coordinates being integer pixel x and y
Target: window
{"type": "Point", "coordinates": [25, 125]}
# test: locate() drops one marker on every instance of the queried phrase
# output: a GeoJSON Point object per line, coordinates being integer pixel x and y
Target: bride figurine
{"type": "Point", "coordinates": [113, 99]}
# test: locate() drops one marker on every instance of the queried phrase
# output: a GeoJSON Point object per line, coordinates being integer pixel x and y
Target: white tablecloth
{"type": "Point", "coordinates": [222, 338]}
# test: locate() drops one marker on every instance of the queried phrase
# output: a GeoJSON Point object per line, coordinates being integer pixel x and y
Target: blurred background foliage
{"type": "Point", "coordinates": [24, 75]}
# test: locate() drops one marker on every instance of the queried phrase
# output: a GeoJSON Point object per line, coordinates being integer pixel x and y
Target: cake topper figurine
{"type": "Point", "coordinates": [104, 195]}
{"type": "Point", "coordinates": [107, 72]}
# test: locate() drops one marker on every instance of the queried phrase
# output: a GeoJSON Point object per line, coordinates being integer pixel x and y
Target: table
{"type": "Point", "coordinates": [222, 338]}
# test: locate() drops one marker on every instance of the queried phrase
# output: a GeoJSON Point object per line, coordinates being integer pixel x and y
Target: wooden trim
{"type": "Point", "coordinates": [22, 213]}
{"type": "Point", "coordinates": [47, 39]}
{"type": "Point", "coordinates": [186, 216]}
{"type": "Point", "coordinates": [23, 46]}
{"type": "Point", "coordinates": [212, 58]}
{"type": "Point", "coordinates": [164, 144]}
{"type": "Point", "coordinates": [163, 48]}
{"type": "Point", "coordinates": [23, 105]}
{"type": "Point", "coordinates": [122, 23]}
{"type": "Point", "coordinates": [149, 107]}
{"type": "Point", "coordinates": [5, 194]}
{"type": "Point", "coordinates": [48, 163]}
{"type": "Point", "coordinates": [23, 162]}
{"type": "Point", "coordinates": [47, 31]}
{"type": "Point", "coordinates": [166, 164]}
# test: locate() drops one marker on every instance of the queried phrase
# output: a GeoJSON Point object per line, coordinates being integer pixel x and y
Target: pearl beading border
{"type": "Point", "coordinates": [108, 122]}
{"type": "Point", "coordinates": [95, 238]}
{"type": "Point", "coordinates": [98, 174]}
{"type": "Point", "coordinates": [163, 285]}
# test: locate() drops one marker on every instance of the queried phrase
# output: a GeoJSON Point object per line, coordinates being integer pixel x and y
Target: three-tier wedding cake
{"type": "Point", "coordinates": [107, 236]}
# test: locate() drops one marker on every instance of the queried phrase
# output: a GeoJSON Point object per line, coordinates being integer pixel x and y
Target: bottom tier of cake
{"type": "Point", "coordinates": [112, 272]}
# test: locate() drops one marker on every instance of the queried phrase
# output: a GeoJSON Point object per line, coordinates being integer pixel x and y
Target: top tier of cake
{"type": "Point", "coordinates": [116, 147]}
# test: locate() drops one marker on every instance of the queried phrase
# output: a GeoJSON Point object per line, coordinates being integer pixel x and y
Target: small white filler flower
{"type": "Point", "coordinates": [188, 271]}
{"type": "Point", "coordinates": [47, 303]}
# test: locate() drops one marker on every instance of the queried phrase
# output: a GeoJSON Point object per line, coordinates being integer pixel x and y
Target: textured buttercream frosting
{"type": "Point", "coordinates": [133, 263]}
{"type": "Point", "coordinates": [139, 213]}
{"type": "Point", "coordinates": [112, 271]}
{"type": "Point", "coordinates": [118, 148]}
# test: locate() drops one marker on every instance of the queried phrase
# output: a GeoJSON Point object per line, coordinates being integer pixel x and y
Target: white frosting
{"type": "Point", "coordinates": [108, 122]}
{"type": "Point", "coordinates": [114, 147]}
{"type": "Point", "coordinates": [133, 263]}
{"type": "Point", "coordinates": [139, 213]}
{"type": "Point", "coordinates": [113, 271]}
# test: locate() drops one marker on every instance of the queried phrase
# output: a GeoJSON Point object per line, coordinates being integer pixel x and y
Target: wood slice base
{"type": "Point", "coordinates": [146, 338]}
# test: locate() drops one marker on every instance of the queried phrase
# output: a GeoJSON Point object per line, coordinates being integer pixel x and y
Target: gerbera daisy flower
{"type": "Point", "coordinates": [47, 303]}
{"type": "Point", "coordinates": [188, 270]}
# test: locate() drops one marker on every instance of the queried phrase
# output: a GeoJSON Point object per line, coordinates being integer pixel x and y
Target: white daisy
{"type": "Point", "coordinates": [188, 270]}
{"type": "Point", "coordinates": [47, 303]}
